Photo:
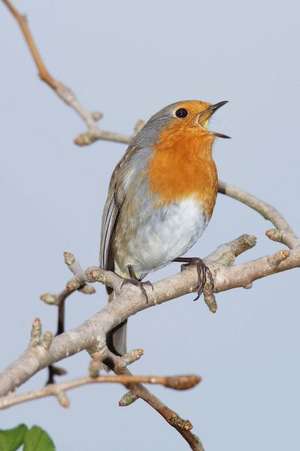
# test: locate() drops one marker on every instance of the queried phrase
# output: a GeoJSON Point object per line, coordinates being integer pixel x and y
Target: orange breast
{"type": "Point", "coordinates": [182, 166]}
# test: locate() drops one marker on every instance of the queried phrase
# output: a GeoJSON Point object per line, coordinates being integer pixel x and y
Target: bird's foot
{"type": "Point", "coordinates": [138, 283]}
{"type": "Point", "coordinates": [205, 278]}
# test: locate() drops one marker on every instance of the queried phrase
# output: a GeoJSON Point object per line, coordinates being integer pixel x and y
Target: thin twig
{"type": "Point", "coordinates": [174, 382]}
{"type": "Point", "coordinates": [76, 269]}
{"type": "Point", "coordinates": [287, 235]}
{"type": "Point", "coordinates": [93, 132]}
{"type": "Point", "coordinates": [60, 301]}
{"type": "Point", "coordinates": [137, 390]}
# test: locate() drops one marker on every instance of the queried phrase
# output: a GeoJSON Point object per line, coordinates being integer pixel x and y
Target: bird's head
{"type": "Point", "coordinates": [188, 116]}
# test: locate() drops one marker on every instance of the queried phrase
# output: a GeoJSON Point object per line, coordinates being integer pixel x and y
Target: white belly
{"type": "Point", "coordinates": [166, 235]}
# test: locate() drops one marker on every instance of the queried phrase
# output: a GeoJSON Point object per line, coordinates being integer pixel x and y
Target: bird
{"type": "Point", "coordinates": [160, 199]}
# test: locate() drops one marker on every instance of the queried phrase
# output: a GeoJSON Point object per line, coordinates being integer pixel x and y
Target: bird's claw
{"type": "Point", "coordinates": [205, 277]}
{"type": "Point", "coordinates": [139, 284]}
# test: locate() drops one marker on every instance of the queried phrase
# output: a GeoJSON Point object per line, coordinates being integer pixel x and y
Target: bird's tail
{"type": "Point", "coordinates": [117, 337]}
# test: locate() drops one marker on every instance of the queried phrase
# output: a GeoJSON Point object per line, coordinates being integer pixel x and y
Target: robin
{"type": "Point", "coordinates": [161, 197]}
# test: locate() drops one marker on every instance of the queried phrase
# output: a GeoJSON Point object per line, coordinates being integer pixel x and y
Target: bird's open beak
{"type": "Point", "coordinates": [205, 115]}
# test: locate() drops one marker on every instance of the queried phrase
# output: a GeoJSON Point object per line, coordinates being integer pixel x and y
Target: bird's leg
{"type": "Point", "coordinates": [204, 273]}
{"type": "Point", "coordinates": [137, 282]}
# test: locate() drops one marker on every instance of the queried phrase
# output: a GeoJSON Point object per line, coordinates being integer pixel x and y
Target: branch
{"type": "Point", "coordinates": [79, 283]}
{"type": "Point", "coordinates": [129, 300]}
{"type": "Point", "coordinates": [286, 236]}
{"type": "Point", "coordinates": [60, 300]}
{"type": "Point", "coordinates": [182, 426]}
{"type": "Point", "coordinates": [93, 132]}
{"type": "Point", "coordinates": [136, 391]}
{"type": "Point", "coordinates": [58, 390]}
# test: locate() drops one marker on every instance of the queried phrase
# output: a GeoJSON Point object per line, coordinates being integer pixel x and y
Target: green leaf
{"type": "Point", "coordinates": [36, 439]}
{"type": "Point", "coordinates": [12, 439]}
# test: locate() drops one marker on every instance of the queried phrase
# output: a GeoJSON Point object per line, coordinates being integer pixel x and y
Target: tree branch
{"type": "Point", "coordinates": [136, 391]}
{"type": "Point", "coordinates": [58, 390]}
{"type": "Point", "coordinates": [93, 132]}
{"type": "Point", "coordinates": [129, 300]}
{"type": "Point", "coordinates": [60, 300]}
{"type": "Point", "coordinates": [287, 235]}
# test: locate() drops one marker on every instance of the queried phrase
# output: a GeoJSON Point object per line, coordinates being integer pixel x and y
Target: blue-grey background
{"type": "Point", "coordinates": [129, 59]}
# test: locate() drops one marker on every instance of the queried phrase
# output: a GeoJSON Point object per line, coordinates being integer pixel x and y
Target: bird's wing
{"type": "Point", "coordinates": [132, 162]}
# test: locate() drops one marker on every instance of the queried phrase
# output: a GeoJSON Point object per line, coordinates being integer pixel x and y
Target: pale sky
{"type": "Point", "coordinates": [128, 60]}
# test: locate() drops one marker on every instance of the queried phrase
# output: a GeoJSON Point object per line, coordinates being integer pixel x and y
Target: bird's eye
{"type": "Point", "coordinates": [181, 112]}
